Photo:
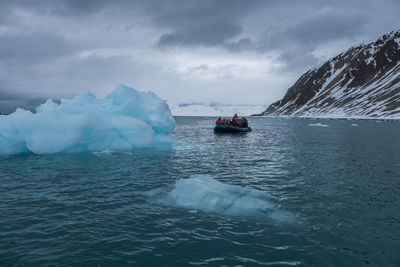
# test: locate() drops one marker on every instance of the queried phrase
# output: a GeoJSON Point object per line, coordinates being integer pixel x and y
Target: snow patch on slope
{"type": "Point", "coordinates": [361, 83]}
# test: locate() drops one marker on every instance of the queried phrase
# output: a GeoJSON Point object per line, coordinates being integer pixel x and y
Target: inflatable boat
{"type": "Point", "coordinates": [227, 128]}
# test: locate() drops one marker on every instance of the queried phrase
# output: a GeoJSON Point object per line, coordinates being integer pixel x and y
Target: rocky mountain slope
{"type": "Point", "coordinates": [363, 82]}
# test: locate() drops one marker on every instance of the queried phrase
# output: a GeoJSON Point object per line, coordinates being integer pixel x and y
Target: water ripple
{"type": "Point", "coordinates": [341, 184]}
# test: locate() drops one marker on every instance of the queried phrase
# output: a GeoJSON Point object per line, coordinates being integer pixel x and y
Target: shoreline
{"type": "Point", "coordinates": [299, 117]}
{"type": "Point", "coordinates": [330, 118]}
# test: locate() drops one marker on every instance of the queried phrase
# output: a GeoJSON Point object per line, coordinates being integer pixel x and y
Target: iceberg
{"type": "Point", "coordinates": [209, 195]}
{"type": "Point", "coordinates": [125, 120]}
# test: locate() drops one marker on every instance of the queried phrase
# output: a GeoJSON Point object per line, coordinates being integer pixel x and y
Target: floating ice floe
{"type": "Point", "coordinates": [126, 119]}
{"type": "Point", "coordinates": [354, 124]}
{"type": "Point", "coordinates": [209, 195]}
{"type": "Point", "coordinates": [318, 125]}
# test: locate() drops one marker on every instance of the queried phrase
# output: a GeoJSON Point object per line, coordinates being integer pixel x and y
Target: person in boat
{"type": "Point", "coordinates": [235, 117]}
{"type": "Point", "coordinates": [234, 120]}
{"type": "Point", "coordinates": [240, 122]}
{"type": "Point", "coordinates": [243, 122]}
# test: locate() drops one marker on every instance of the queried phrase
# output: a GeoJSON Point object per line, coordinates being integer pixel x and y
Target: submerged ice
{"type": "Point", "coordinates": [126, 119]}
{"type": "Point", "coordinates": [209, 195]}
{"type": "Point", "coordinates": [318, 125]}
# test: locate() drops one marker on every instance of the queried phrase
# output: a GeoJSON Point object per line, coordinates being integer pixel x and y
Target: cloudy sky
{"type": "Point", "coordinates": [226, 51]}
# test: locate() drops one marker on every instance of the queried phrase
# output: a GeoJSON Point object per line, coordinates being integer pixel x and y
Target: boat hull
{"type": "Point", "coordinates": [231, 129]}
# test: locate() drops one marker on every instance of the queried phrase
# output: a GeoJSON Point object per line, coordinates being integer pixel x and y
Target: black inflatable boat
{"type": "Point", "coordinates": [236, 125]}
{"type": "Point", "coordinates": [227, 128]}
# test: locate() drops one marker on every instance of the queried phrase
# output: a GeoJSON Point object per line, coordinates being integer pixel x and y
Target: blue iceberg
{"type": "Point", "coordinates": [204, 193]}
{"type": "Point", "coordinates": [125, 120]}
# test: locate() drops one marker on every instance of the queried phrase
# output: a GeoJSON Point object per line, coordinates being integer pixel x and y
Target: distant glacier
{"type": "Point", "coordinates": [214, 109]}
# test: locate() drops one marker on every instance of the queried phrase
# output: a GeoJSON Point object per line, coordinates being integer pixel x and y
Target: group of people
{"type": "Point", "coordinates": [236, 121]}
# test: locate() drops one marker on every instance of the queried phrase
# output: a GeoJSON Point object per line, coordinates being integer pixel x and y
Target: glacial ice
{"type": "Point", "coordinates": [318, 125]}
{"type": "Point", "coordinates": [209, 195]}
{"type": "Point", "coordinates": [126, 119]}
{"type": "Point", "coordinates": [214, 109]}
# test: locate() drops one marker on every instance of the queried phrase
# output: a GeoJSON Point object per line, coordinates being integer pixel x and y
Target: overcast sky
{"type": "Point", "coordinates": [227, 51]}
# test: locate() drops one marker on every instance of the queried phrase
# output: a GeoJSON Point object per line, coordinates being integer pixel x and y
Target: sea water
{"type": "Point", "coordinates": [288, 193]}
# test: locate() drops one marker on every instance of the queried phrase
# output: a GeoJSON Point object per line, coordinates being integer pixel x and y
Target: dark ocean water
{"type": "Point", "coordinates": [339, 184]}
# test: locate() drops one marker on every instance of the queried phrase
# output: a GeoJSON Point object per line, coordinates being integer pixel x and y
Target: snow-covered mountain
{"type": "Point", "coordinates": [214, 109]}
{"type": "Point", "coordinates": [363, 82]}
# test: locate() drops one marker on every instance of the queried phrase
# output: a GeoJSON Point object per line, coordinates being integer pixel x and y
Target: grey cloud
{"type": "Point", "coordinates": [60, 7]}
{"type": "Point", "coordinates": [203, 23]}
{"type": "Point", "coordinates": [34, 46]}
{"type": "Point", "coordinates": [211, 34]}
{"type": "Point", "coordinates": [305, 26]}
{"type": "Point", "coordinates": [84, 7]}
{"type": "Point", "coordinates": [197, 12]}
{"type": "Point", "coordinates": [311, 30]}
{"type": "Point", "coordinates": [38, 58]}
{"type": "Point", "coordinates": [308, 27]}
{"type": "Point", "coordinates": [201, 67]}
{"type": "Point", "coordinates": [10, 102]}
